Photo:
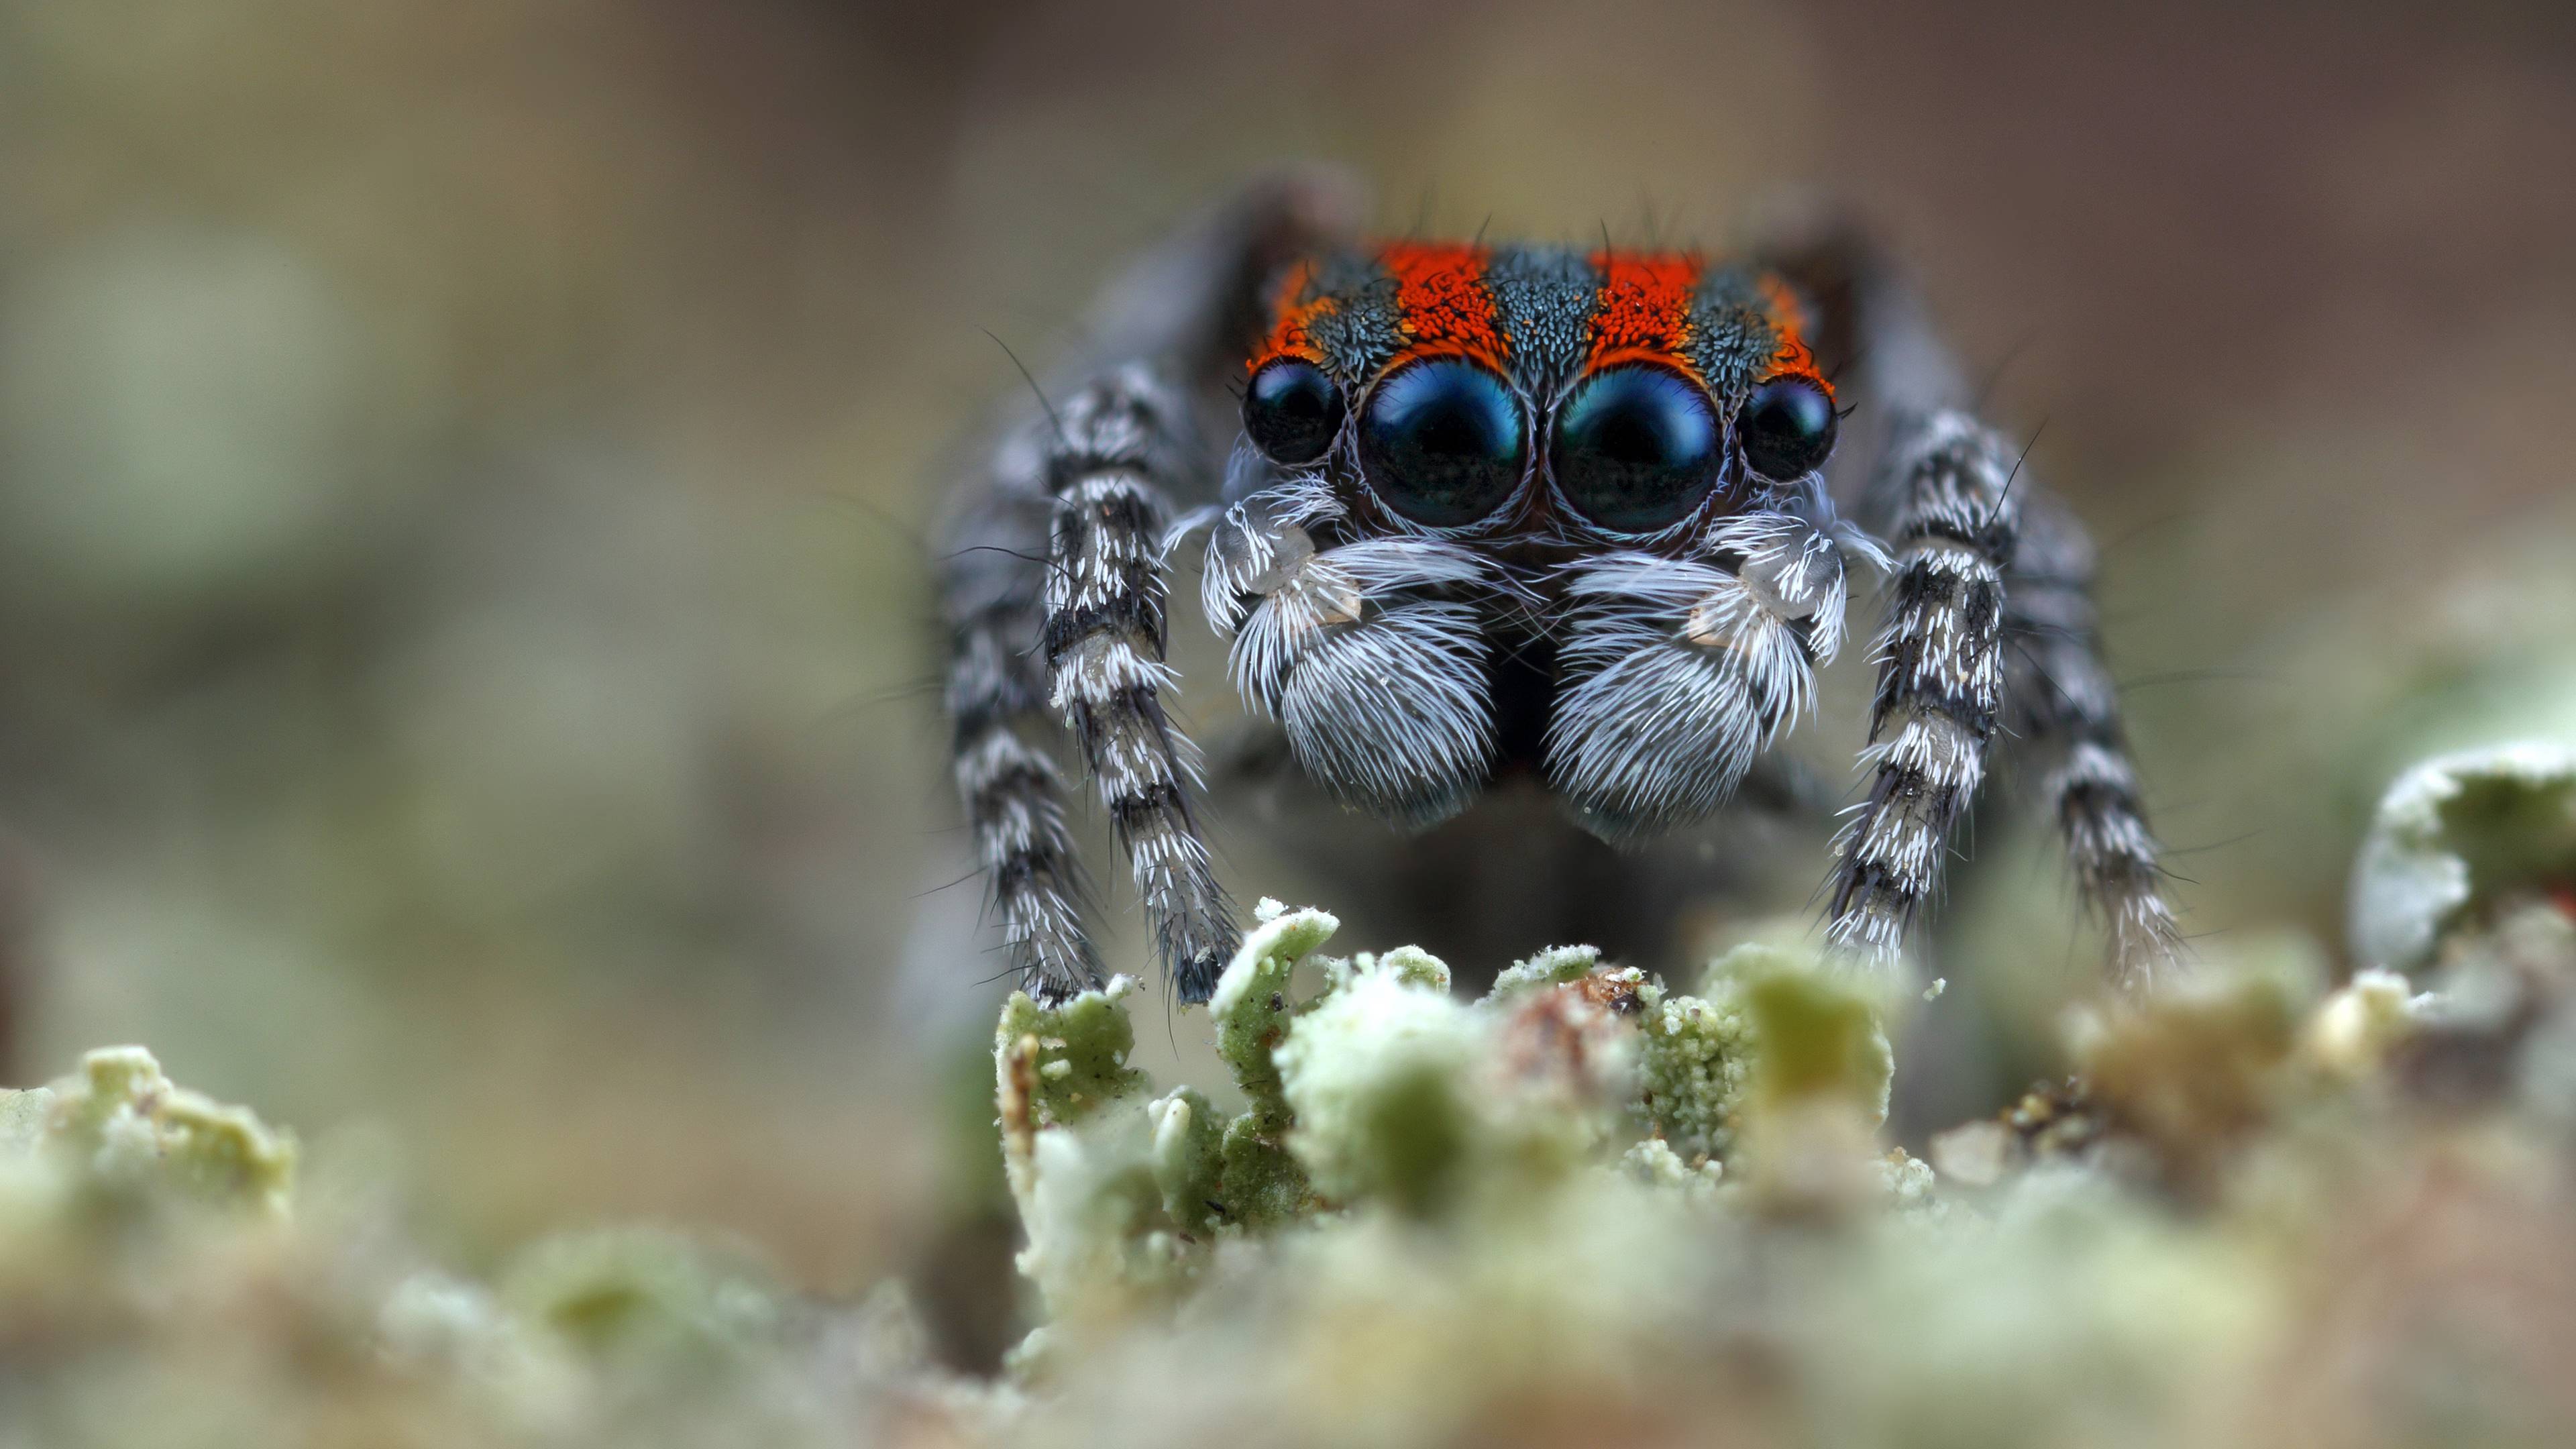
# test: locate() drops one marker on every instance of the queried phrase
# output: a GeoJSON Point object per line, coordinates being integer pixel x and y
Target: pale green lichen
{"type": "Point", "coordinates": [23, 1115]}
{"type": "Point", "coordinates": [1087, 1159]}
{"type": "Point", "coordinates": [1075, 1055]}
{"type": "Point", "coordinates": [1654, 1163]}
{"type": "Point", "coordinates": [1766, 1021]}
{"type": "Point", "coordinates": [1375, 1088]}
{"type": "Point", "coordinates": [1487, 1233]}
{"type": "Point", "coordinates": [1380, 1089]}
{"type": "Point", "coordinates": [122, 1128]}
{"type": "Point", "coordinates": [1552, 967]}
{"type": "Point", "coordinates": [1122, 1195]}
{"type": "Point", "coordinates": [1252, 1006]}
{"type": "Point", "coordinates": [2458, 836]}
{"type": "Point", "coordinates": [1375, 1075]}
{"type": "Point", "coordinates": [1697, 1061]}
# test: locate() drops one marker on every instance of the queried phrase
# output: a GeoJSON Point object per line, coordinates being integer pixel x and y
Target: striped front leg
{"type": "Point", "coordinates": [1117, 443]}
{"type": "Point", "coordinates": [1940, 675]}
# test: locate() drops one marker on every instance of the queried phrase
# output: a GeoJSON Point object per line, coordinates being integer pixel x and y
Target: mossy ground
{"type": "Point", "coordinates": [1588, 1207]}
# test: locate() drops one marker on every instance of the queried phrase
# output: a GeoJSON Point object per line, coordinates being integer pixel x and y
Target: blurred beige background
{"type": "Point", "coordinates": [462, 623]}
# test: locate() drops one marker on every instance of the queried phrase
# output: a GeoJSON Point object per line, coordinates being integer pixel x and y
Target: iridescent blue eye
{"type": "Point", "coordinates": [1636, 448]}
{"type": "Point", "coordinates": [1787, 428]}
{"type": "Point", "coordinates": [1291, 411]}
{"type": "Point", "coordinates": [1441, 442]}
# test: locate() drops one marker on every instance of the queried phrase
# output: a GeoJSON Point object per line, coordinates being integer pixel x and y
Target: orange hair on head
{"type": "Point", "coordinates": [1442, 303]}
{"type": "Point", "coordinates": [1790, 355]}
{"type": "Point", "coordinates": [1290, 319]}
{"type": "Point", "coordinates": [1643, 312]}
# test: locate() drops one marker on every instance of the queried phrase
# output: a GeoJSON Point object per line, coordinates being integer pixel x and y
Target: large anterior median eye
{"type": "Point", "coordinates": [1441, 441]}
{"type": "Point", "coordinates": [1636, 448]}
{"type": "Point", "coordinates": [1787, 427]}
{"type": "Point", "coordinates": [1291, 410]}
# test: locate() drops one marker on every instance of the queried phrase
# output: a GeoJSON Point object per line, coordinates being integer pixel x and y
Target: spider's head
{"type": "Point", "coordinates": [1460, 470]}
{"type": "Point", "coordinates": [1601, 400]}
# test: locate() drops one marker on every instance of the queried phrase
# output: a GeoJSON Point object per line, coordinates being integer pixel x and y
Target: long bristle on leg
{"type": "Point", "coordinates": [1103, 641]}
{"type": "Point", "coordinates": [1940, 682]}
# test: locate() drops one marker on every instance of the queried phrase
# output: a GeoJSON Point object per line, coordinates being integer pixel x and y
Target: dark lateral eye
{"type": "Point", "coordinates": [1636, 449]}
{"type": "Point", "coordinates": [1787, 427]}
{"type": "Point", "coordinates": [1291, 410]}
{"type": "Point", "coordinates": [1441, 442]}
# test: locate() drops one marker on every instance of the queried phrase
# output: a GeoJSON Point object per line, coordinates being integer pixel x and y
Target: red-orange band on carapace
{"type": "Point", "coordinates": [1442, 303]}
{"type": "Point", "coordinates": [1643, 310]}
{"type": "Point", "coordinates": [1290, 317]}
{"type": "Point", "coordinates": [1790, 355]}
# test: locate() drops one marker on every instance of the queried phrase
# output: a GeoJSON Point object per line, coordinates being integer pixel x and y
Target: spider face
{"type": "Point", "coordinates": [1514, 477]}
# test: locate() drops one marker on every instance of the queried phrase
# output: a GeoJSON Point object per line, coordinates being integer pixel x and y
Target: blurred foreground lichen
{"type": "Point", "coordinates": [1588, 1208]}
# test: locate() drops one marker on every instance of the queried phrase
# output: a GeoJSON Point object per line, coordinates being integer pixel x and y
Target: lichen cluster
{"type": "Point", "coordinates": [165, 1279]}
{"type": "Point", "coordinates": [1587, 1207]}
{"type": "Point", "coordinates": [1371, 1089]}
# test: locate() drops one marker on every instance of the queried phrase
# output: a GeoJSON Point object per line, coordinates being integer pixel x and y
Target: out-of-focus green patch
{"type": "Point", "coordinates": [2460, 839]}
{"type": "Point", "coordinates": [119, 1127]}
{"type": "Point", "coordinates": [2196, 1069]}
{"type": "Point", "coordinates": [1813, 1034]}
{"type": "Point", "coordinates": [652, 1294]}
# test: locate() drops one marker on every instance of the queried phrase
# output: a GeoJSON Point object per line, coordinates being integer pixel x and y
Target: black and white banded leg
{"type": "Point", "coordinates": [2061, 710]}
{"type": "Point", "coordinates": [992, 591]}
{"type": "Point", "coordinates": [1053, 592]}
{"type": "Point", "coordinates": [1954, 527]}
{"type": "Point", "coordinates": [1119, 442]}
{"type": "Point", "coordinates": [1992, 630]}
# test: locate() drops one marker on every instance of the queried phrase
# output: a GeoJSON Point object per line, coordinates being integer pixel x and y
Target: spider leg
{"type": "Point", "coordinates": [1053, 591]}
{"type": "Point", "coordinates": [992, 592]}
{"type": "Point", "coordinates": [1103, 640]}
{"type": "Point", "coordinates": [1993, 626]}
{"type": "Point", "coordinates": [1057, 600]}
{"type": "Point", "coordinates": [1940, 680]}
{"type": "Point", "coordinates": [2061, 708]}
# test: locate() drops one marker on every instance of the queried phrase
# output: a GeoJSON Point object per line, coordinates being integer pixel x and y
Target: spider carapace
{"type": "Point", "coordinates": [1476, 513]}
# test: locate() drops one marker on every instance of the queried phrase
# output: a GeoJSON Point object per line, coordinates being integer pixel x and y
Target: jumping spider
{"type": "Point", "coordinates": [1498, 511]}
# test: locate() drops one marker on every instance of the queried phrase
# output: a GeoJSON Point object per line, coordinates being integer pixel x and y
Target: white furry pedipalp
{"type": "Point", "coordinates": [1378, 681]}
{"type": "Point", "coordinates": [1683, 671]}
